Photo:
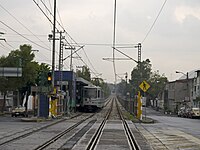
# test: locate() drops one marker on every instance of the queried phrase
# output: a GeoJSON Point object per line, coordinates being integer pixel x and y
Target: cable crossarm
{"type": "Point", "coordinates": [125, 55]}
{"type": "Point", "coordinates": [74, 52]}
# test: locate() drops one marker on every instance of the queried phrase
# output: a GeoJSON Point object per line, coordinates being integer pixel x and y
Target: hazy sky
{"type": "Point", "coordinates": [173, 44]}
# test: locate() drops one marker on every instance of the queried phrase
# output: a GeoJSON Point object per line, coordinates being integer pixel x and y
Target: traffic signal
{"type": "Point", "coordinates": [49, 78]}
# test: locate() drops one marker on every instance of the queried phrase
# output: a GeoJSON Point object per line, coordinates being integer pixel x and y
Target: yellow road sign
{"type": "Point", "coordinates": [144, 86]}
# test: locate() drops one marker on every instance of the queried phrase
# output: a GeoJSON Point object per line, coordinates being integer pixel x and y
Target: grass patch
{"type": "Point", "coordinates": [131, 117]}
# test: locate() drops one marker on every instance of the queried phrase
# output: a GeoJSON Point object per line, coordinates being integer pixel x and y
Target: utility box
{"type": "Point", "coordinates": [43, 105]}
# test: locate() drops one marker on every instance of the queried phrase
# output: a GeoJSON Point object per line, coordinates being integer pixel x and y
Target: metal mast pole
{"type": "Point", "coordinates": [60, 67]}
{"type": "Point", "coordinates": [71, 66]}
{"type": "Point", "coordinates": [54, 43]}
{"type": "Point", "coordinates": [139, 52]}
{"type": "Point", "coordinates": [114, 38]}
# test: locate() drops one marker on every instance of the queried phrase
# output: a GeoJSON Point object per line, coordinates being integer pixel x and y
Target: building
{"type": "Point", "coordinates": [184, 92]}
{"type": "Point", "coordinates": [196, 90]}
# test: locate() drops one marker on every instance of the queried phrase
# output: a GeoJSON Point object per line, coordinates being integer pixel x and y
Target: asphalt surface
{"type": "Point", "coordinates": [171, 132]}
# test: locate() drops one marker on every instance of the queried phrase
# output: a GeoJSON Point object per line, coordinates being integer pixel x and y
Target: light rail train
{"type": "Point", "coordinates": [93, 98]}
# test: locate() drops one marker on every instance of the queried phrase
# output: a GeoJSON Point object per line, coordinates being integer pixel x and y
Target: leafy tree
{"type": "Point", "coordinates": [141, 72]}
{"type": "Point", "coordinates": [85, 73]}
{"type": "Point", "coordinates": [42, 70]}
{"type": "Point", "coordinates": [100, 82]}
{"type": "Point", "coordinates": [157, 83]}
{"type": "Point", "coordinates": [23, 58]}
{"type": "Point", "coordinates": [122, 87]}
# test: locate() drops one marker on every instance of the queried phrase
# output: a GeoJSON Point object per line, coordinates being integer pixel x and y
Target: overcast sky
{"type": "Point", "coordinates": [173, 44]}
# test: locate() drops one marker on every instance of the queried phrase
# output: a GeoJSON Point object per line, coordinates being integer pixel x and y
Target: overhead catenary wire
{"type": "Point", "coordinates": [89, 60]}
{"type": "Point", "coordinates": [154, 22]}
{"type": "Point", "coordinates": [4, 47]}
{"type": "Point", "coordinates": [23, 36]}
{"type": "Point", "coordinates": [47, 12]}
{"type": "Point", "coordinates": [62, 29]}
{"type": "Point", "coordinates": [22, 24]}
{"type": "Point", "coordinates": [43, 12]}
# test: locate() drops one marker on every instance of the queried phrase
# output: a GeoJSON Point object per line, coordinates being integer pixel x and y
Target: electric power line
{"type": "Point", "coordinates": [154, 21]}
{"type": "Point", "coordinates": [21, 23]}
{"type": "Point", "coordinates": [23, 36]}
{"type": "Point", "coordinates": [59, 25]}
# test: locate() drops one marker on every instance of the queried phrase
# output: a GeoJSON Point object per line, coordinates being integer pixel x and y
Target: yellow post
{"type": "Point", "coordinates": [139, 106]}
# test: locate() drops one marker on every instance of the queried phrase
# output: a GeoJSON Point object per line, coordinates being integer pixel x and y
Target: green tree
{"type": "Point", "coordinates": [122, 87]}
{"type": "Point", "coordinates": [157, 83]}
{"type": "Point", "coordinates": [100, 82]}
{"type": "Point", "coordinates": [42, 70]}
{"type": "Point", "coordinates": [141, 72]}
{"type": "Point", "coordinates": [22, 58]}
{"type": "Point", "coordinates": [85, 73]}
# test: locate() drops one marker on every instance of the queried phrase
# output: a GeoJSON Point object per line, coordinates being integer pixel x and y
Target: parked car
{"type": "Point", "coordinates": [19, 111]}
{"type": "Point", "coordinates": [194, 113]}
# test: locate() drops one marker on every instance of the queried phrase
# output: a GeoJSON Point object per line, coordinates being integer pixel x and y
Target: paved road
{"type": "Point", "coordinates": [13, 125]}
{"type": "Point", "coordinates": [170, 132]}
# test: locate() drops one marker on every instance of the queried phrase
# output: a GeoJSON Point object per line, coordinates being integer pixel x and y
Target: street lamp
{"type": "Point", "coordinates": [187, 79]}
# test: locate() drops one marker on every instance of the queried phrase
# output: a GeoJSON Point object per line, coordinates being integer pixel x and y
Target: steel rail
{"type": "Point", "coordinates": [34, 131]}
{"type": "Point", "coordinates": [55, 138]}
{"type": "Point", "coordinates": [96, 136]}
{"type": "Point", "coordinates": [133, 143]}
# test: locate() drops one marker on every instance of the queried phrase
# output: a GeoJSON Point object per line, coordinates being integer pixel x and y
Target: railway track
{"type": "Point", "coordinates": [23, 134]}
{"type": "Point", "coordinates": [130, 136]}
{"type": "Point", "coordinates": [115, 113]}
{"type": "Point", "coordinates": [59, 135]}
{"type": "Point", "coordinates": [106, 129]}
{"type": "Point", "coordinates": [46, 141]}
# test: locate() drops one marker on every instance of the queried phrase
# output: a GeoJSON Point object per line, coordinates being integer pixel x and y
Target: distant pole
{"type": "Point", "coordinates": [60, 67]}
{"type": "Point", "coordinates": [139, 52]}
{"type": "Point", "coordinates": [71, 57]}
{"type": "Point", "coordinates": [114, 42]}
{"type": "Point", "coordinates": [188, 89]}
{"type": "Point", "coordinates": [54, 43]}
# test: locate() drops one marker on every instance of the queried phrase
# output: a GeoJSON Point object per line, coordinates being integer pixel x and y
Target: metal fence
{"type": "Point", "coordinates": [129, 104]}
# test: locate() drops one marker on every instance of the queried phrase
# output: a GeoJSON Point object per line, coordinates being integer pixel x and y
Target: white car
{"type": "Point", "coordinates": [19, 111]}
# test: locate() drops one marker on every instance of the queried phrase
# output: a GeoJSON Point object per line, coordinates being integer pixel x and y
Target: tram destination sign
{"type": "Point", "coordinates": [10, 72]}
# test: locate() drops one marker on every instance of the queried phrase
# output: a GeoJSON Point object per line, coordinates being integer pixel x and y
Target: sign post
{"type": "Point", "coordinates": [139, 106]}
{"type": "Point", "coordinates": [144, 86]}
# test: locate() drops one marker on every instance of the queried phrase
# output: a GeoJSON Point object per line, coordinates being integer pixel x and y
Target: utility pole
{"type": "Point", "coordinates": [71, 66]}
{"type": "Point", "coordinates": [61, 52]}
{"type": "Point", "coordinates": [71, 57]}
{"type": "Point", "coordinates": [139, 46]}
{"type": "Point", "coordinates": [54, 43]}
{"type": "Point", "coordinates": [60, 67]}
